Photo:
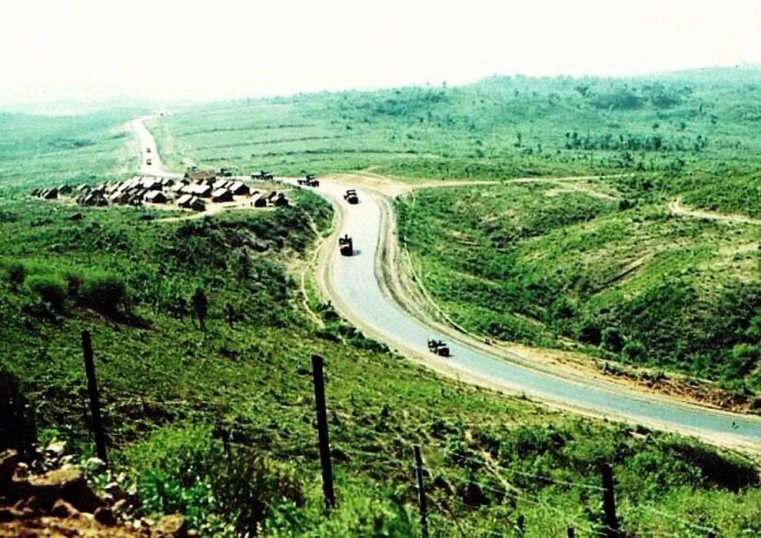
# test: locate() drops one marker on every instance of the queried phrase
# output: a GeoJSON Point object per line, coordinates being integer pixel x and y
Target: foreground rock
{"type": "Point", "coordinates": [60, 502]}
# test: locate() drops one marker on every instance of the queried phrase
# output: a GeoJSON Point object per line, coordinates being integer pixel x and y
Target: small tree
{"type": "Point", "coordinates": [612, 340]}
{"type": "Point", "coordinates": [200, 307]}
{"type": "Point", "coordinates": [230, 313]}
{"type": "Point", "coordinates": [17, 428]}
{"type": "Point", "coordinates": [50, 288]}
{"type": "Point", "coordinates": [16, 274]}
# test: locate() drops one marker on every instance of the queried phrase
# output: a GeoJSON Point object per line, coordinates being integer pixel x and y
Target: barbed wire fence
{"type": "Point", "coordinates": [419, 471]}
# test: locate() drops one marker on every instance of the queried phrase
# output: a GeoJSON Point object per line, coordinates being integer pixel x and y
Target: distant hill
{"type": "Point", "coordinates": [75, 107]}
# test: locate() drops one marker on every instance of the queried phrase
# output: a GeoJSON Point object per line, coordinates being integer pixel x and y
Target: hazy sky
{"type": "Point", "coordinates": [180, 49]}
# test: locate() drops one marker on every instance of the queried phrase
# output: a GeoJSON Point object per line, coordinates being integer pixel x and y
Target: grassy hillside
{"type": "Point", "coordinates": [169, 390]}
{"type": "Point", "coordinates": [532, 262]}
{"type": "Point", "coordinates": [696, 123]}
{"type": "Point", "coordinates": [45, 150]}
{"type": "Point", "coordinates": [592, 261]}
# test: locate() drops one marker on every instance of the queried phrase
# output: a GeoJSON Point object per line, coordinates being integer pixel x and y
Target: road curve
{"type": "Point", "coordinates": [356, 288]}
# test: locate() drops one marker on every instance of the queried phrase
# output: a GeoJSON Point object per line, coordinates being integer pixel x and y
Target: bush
{"type": "Point", "coordinates": [187, 471]}
{"type": "Point", "coordinates": [249, 488]}
{"type": "Point", "coordinates": [612, 340]}
{"type": "Point", "coordinates": [174, 470]}
{"type": "Point", "coordinates": [103, 292]}
{"type": "Point", "coordinates": [16, 273]}
{"type": "Point", "coordinates": [50, 288]}
{"type": "Point", "coordinates": [17, 428]}
{"type": "Point", "coordinates": [634, 351]}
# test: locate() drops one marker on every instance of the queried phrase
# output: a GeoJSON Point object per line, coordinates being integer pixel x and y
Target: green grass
{"type": "Point", "coordinates": [38, 151]}
{"type": "Point", "coordinates": [682, 294]}
{"type": "Point", "coordinates": [530, 262]}
{"type": "Point", "coordinates": [167, 389]}
{"type": "Point", "coordinates": [497, 128]}
{"type": "Point", "coordinates": [533, 263]}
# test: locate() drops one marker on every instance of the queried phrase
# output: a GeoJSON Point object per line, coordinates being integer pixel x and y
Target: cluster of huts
{"type": "Point", "coordinates": [193, 191]}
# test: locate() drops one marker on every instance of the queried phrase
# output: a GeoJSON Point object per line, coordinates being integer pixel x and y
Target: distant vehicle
{"type": "Point", "coordinates": [147, 150]}
{"type": "Point", "coordinates": [438, 347]}
{"type": "Point", "coordinates": [351, 196]}
{"type": "Point", "coordinates": [225, 172]}
{"type": "Point", "coordinates": [346, 245]}
{"type": "Point", "coordinates": [310, 181]}
{"type": "Point", "coordinates": [264, 174]}
{"type": "Point", "coordinates": [148, 162]}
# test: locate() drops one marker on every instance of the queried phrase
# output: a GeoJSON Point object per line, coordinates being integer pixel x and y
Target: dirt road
{"type": "Point", "coordinates": [676, 208]}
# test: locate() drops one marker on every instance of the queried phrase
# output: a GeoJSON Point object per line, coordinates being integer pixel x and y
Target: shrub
{"type": "Point", "coordinates": [50, 288]}
{"type": "Point", "coordinates": [103, 292]}
{"type": "Point", "coordinates": [73, 285]}
{"type": "Point", "coordinates": [249, 488]}
{"type": "Point", "coordinates": [634, 351]}
{"type": "Point", "coordinates": [612, 340]}
{"type": "Point", "coordinates": [16, 273]}
{"type": "Point", "coordinates": [17, 428]}
{"type": "Point", "coordinates": [174, 469]}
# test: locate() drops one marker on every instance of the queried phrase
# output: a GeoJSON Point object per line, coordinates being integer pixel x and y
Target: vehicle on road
{"type": "Point", "coordinates": [351, 196]}
{"type": "Point", "coordinates": [148, 162]}
{"type": "Point", "coordinates": [225, 172]}
{"type": "Point", "coordinates": [346, 245]}
{"type": "Point", "coordinates": [263, 174]}
{"type": "Point", "coordinates": [310, 180]}
{"type": "Point", "coordinates": [438, 347]}
{"type": "Point", "coordinates": [147, 150]}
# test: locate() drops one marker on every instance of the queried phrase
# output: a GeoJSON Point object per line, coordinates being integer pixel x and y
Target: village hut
{"type": "Point", "coordinates": [240, 189]}
{"type": "Point", "coordinates": [222, 195]}
{"type": "Point", "coordinates": [155, 197]}
{"type": "Point", "coordinates": [185, 201]}
{"type": "Point", "coordinates": [49, 194]}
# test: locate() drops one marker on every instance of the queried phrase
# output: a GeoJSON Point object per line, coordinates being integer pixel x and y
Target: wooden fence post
{"type": "Point", "coordinates": [520, 526]}
{"type": "Point", "coordinates": [609, 502]}
{"type": "Point", "coordinates": [92, 388]}
{"type": "Point", "coordinates": [322, 428]}
{"type": "Point", "coordinates": [421, 492]}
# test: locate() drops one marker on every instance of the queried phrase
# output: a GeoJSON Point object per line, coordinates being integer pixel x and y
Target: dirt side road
{"type": "Point", "coordinates": [676, 208]}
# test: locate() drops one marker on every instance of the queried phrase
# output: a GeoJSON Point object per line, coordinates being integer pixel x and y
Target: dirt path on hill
{"type": "Point", "coordinates": [676, 208]}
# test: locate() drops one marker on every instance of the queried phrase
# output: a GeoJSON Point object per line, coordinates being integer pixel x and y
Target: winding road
{"type": "Point", "coordinates": [360, 289]}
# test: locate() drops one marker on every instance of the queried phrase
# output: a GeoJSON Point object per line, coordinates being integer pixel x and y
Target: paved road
{"type": "Point", "coordinates": [148, 151]}
{"type": "Point", "coordinates": [358, 295]}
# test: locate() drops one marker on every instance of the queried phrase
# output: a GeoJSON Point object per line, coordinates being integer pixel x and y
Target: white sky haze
{"type": "Point", "coordinates": [175, 49]}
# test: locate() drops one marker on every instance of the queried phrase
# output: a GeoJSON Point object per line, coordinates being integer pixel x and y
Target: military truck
{"type": "Point", "coordinates": [310, 180]}
{"type": "Point", "coordinates": [346, 245]}
{"type": "Point", "coordinates": [351, 196]}
{"type": "Point", "coordinates": [438, 347]}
